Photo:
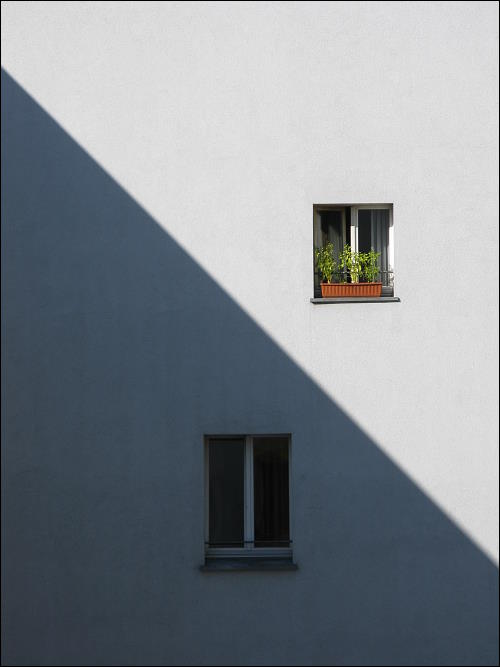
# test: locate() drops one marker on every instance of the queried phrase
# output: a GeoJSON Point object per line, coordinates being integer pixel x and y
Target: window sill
{"type": "Point", "coordinates": [248, 564]}
{"type": "Point", "coordinates": [357, 299]}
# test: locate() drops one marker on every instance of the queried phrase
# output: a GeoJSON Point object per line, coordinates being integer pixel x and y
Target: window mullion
{"type": "Point", "coordinates": [249, 519]}
{"type": "Point", "coordinates": [391, 242]}
{"type": "Point", "coordinates": [354, 229]}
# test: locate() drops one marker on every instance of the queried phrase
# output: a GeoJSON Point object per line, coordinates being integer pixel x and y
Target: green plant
{"type": "Point", "coordinates": [350, 263]}
{"type": "Point", "coordinates": [369, 265]}
{"type": "Point", "coordinates": [356, 265]}
{"type": "Point", "coordinates": [325, 261]}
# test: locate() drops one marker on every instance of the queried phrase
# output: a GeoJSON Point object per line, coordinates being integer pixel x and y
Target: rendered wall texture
{"type": "Point", "coordinates": [160, 164]}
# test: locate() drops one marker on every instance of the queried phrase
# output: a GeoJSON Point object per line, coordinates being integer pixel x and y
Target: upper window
{"type": "Point", "coordinates": [358, 240]}
{"type": "Point", "coordinates": [247, 497]}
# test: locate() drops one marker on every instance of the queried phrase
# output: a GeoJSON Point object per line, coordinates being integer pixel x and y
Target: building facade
{"type": "Point", "coordinates": [167, 170]}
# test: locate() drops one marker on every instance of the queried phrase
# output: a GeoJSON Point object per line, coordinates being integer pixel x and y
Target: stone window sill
{"type": "Point", "coordinates": [357, 299]}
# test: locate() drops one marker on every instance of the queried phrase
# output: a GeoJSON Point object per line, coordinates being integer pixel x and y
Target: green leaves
{"type": "Point", "coordinates": [369, 265]}
{"type": "Point", "coordinates": [359, 266]}
{"type": "Point", "coordinates": [349, 263]}
{"type": "Point", "coordinates": [325, 262]}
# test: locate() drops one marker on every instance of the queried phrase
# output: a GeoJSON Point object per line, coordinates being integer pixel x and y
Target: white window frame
{"type": "Point", "coordinates": [354, 209]}
{"type": "Point", "coordinates": [354, 229]}
{"type": "Point", "coordinates": [249, 550]}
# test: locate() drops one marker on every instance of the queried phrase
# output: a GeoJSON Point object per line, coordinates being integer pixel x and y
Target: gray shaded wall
{"type": "Point", "coordinates": [119, 353]}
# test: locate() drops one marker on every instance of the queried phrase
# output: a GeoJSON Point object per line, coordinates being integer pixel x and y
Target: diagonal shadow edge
{"type": "Point", "coordinates": [211, 277]}
{"type": "Point", "coordinates": [100, 301]}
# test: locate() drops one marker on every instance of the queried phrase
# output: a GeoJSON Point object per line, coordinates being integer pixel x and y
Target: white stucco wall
{"type": "Point", "coordinates": [228, 121]}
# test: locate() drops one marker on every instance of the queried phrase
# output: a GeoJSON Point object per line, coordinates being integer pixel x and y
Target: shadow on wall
{"type": "Point", "coordinates": [119, 354]}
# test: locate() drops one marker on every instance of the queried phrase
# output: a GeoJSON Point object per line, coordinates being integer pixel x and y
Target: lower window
{"type": "Point", "coordinates": [248, 497]}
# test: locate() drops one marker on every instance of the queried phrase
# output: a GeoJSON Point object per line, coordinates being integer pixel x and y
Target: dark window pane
{"type": "Point", "coordinates": [271, 505]}
{"type": "Point", "coordinates": [348, 225]}
{"type": "Point", "coordinates": [380, 241]}
{"type": "Point", "coordinates": [364, 230]}
{"type": "Point", "coordinates": [373, 232]}
{"type": "Point", "coordinates": [331, 229]}
{"type": "Point", "coordinates": [226, 492]}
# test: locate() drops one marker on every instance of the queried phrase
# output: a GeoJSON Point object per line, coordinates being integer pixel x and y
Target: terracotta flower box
{"type": "Point", "coordinates": [332, 290]}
